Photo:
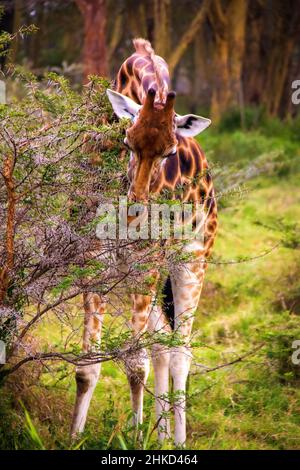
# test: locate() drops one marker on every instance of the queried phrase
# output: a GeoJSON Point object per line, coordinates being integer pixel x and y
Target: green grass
{"type": "Point", "coordinates": [252, 404]}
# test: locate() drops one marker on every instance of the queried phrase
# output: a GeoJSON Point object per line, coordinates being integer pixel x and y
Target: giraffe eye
{"type": "Point", "coordinates": [171, 152]}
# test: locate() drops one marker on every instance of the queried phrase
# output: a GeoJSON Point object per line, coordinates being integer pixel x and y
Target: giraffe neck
{"type": "Point", "coordinates": [188, 168]}
{"type": "Point", "coordinates": [141, 71]}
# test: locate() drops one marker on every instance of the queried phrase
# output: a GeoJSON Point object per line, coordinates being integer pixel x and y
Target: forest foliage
{"type": "Point", "coordinates": [222, 54]}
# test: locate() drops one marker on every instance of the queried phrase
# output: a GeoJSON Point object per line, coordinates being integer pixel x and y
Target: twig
{"type": "Point", "coordinates": [226, 364]}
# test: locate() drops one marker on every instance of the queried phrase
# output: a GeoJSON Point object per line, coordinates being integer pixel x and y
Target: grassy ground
{"type": "Point", "coordinates": [248, 307]}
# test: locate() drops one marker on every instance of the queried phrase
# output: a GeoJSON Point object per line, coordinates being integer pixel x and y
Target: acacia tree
{"type": "Point", "coordinates": [62, 155]}
{"type": "Point", "coordinates": [48, 200]}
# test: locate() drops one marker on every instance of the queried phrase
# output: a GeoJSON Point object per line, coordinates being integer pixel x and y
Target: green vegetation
{"type": "Point", "coordinates": [249, 309]}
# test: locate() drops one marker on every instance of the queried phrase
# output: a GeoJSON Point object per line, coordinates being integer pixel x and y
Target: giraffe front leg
{"type": "Point", "coordinates": [137, 363]}
{"type": "Point", "coordinates": [180, 366]}
{"type": "Point", "coordinates": [186, 286]}
{"type": "Point", "coordinates": [87, 376]}
{"type": "Point", "coordinates": [161, 363]}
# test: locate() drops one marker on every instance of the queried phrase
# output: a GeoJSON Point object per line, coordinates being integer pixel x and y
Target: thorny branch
{"type": "Point", "coordinates": [49, 199]}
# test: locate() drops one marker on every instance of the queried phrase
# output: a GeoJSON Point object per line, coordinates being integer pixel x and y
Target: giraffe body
{"type": "Point", "coordinates": [163, 156]}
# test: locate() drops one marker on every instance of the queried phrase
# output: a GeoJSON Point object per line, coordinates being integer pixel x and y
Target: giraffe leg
{"type": "Point", "coordinates": [87, 376]}
{"type": "Point", "coordinates": [137, 364]}
{"type": "Point", "coordinates": [161, 362]}
{"type": "Point", "coordinates": [186, 286]}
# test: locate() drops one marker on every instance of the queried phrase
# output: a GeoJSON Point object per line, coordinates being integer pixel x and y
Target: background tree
{"type": "Point", "coordinates": [284, 32]}
{"type": "Point", "coordinates": [162, 31]}
{"type": "Point", "coordinates": [223, 54]}
{"type": "Point", "coordinates": [94, 47]}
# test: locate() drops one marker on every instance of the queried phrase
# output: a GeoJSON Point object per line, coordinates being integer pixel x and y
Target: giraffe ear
{"type": "Point", "coordinates": [191, 125]}
{"type": "Point", "coordinates": [123, 106]}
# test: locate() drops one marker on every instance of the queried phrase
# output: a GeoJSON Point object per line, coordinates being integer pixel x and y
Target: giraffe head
{"type": "Point", "coordinates": [152, 135]}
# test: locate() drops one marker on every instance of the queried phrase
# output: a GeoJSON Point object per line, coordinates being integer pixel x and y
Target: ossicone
{"type": "Point", "coordinates": [149, 102]}
{"type": "Point", "coordinates": [169, 106]}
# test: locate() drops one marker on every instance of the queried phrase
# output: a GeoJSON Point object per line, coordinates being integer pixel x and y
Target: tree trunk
{"type": "Point", "coordinates": [137, 23]}
{"type": "Point", "coordinates": [94, 47]}
{"type": "Point", "coordinates": [220, 79]}
{"type": "Point", "coordinates": [37, 39]}
{"type": "Point", "coordinates": [285, 31]}
{"type": "Point", "coordinates": [229, 29]}
{"type": "Point", "coordinates": [254, 55]}
{"type": "Point", "coordinates": [280, 75]}
{"type": "Point", "coordinates": [162, 27]}
{"type": "Point", "coordinates": [237, 14]}
{"type": "Point", "coordinates": [221, 92]}
{"type": "Point", "coordinates": [116, 34]}
{"type": "Point", "coordinates": [188, 36]}
{"type": "Point", "coordinates": [17, 23]}
{"type": "Point", "coordinates": [200, 76]}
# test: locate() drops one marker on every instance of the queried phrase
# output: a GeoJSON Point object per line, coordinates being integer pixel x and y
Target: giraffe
{"type": "Point", "coordinates": [163, 155]}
